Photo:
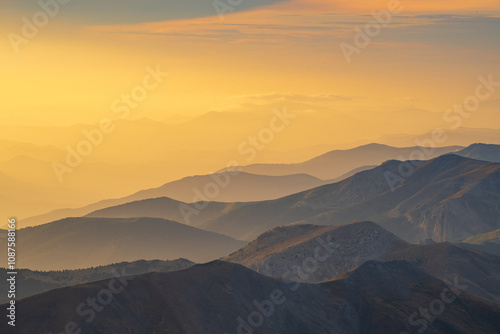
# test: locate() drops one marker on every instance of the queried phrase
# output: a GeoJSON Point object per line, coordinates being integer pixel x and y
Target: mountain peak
{"type": "Point", "coordinates": [480, 151]}
{"type": "Point", "coordinates": [276, 251]}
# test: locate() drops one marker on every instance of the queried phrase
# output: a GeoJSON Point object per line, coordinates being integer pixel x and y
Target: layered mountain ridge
{"type": "Point", "coordinates": [220, 297]}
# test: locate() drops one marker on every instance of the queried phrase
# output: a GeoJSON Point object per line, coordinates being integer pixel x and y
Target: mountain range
{"type": "Point", "coordinates": [307, 270]}
{"type": "Point", "coordinates": [448, 198]}
{"type": "Point", "coordinates": [31, 282]}
{"type": "Point", "coordinates": [245, 187]}
{"type": "Point", "coordinates": [221, 297]}
{"type": "Point", "coordinates": [223, 187]}
{"type": "Point", "coordinates": [462, 136]}
{"type": "Point", "coordinates": [486, 152]}
{"type": "Point", "coordinates": [310, 254]}
{"type": "Point", "coordinates": [336, 163]}
{"type": "Point", "coordinates": [75, 243]}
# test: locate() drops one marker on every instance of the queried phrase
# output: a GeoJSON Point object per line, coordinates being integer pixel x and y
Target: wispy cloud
{"type": "Point", "coordinates": [90, 12]}
{"type": "Point", "coordinates": [292, 97]}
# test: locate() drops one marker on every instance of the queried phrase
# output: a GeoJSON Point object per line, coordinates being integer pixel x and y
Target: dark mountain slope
{"type": "Point", "coordinates": [30, 282]}
{"type": "Point", "coordinates": [219, 297]}
{"type": "Point", "coordinates": [335, 249]}
{"type": "Point", "coordinates": [486, 242]}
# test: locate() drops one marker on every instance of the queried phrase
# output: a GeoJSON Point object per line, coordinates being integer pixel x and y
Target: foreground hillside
{"type": "Point", "coordinates": [220, 297]}
{"type": "Point", "coordinates": [31, 282]}
{"type": "Point", "coordinates": [75, 243]}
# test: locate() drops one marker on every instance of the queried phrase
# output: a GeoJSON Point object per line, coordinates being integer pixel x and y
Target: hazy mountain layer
{"type": "Point", "coordinates": [446, 199]}
{"type": "Point", "coordinates": [222, 187]}
{"type": "Point", "coordinates": [75, 243]}
{"type": "Point", "coordinates": [334, 164]}
{"type": "Point", "coordinates": [194, 214]}
{"type": "Point", "coordinates": [30, 282]}
{"type": "Point", "coordinates": [463, 136]}
{"type": "Point", "coordinates": [486, 152]}
{"type": "Point", "coordinates": [244, 187]}
{"type": "Point", "coordinates": [232, 187]}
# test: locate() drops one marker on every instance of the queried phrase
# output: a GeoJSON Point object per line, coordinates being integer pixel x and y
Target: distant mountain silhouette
{"type": "Point", "coordinates": [233, 187]}
{"type": "Point", "coordinates": [220, 297]}
{"type": "Point", "coordinates": [30, 282]}
{"type": "Point", "coordinates": [334, 164]}
{"type": "Point", "coordinates": [167, 208]}
{"type": "Point", "coordinates": [486, 152]}
{"type": "Point", "coordinates": [335, 250]}
{"type": "Point", "coordinates": [75, 243]}
{"type": "Point", "coordinates": [463, 136]}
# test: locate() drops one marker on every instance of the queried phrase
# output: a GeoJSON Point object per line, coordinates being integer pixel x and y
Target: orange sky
{"type": "Point", "coordinates": [71, 72]}
{"type": "Point", "coordinates": [284, 55]}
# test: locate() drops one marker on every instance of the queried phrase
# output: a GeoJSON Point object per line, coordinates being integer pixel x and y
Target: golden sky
{"type": "Point", "coordinates": [428, 57]}
{"type": "Point", "coordinates": [260, 55]}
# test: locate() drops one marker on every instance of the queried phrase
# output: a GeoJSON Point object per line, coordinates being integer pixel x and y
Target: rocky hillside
{"type": "Point", "coordinates": [308, 253]}
{"type": "Point", "coordinates": [329, 250]}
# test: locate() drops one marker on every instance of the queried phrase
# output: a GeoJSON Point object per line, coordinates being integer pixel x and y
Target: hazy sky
{"type": "Point", "coordinates": [160, 68]}
{"type": "Point", "coordinates": [91, 52]}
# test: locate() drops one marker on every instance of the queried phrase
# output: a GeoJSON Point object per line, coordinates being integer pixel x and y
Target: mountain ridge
{"type": "Point", "coordinates": [58, 245]}
{"type": "Point", "coordinates": [220, 297]}
{"type": "Point", "coordinates": [311, 254]}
